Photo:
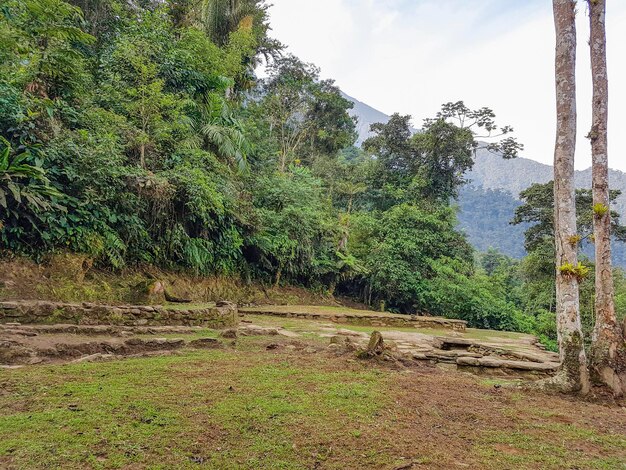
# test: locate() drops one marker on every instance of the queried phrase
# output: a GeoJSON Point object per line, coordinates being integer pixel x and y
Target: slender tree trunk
{"type": "Point", "coordinates": [608, 353]}
{"type": "Point", "coordinates": [573, 375]}
{"type": "Point", "coordinates": [142, 156]}
{"type": "Point", "coordinates": [279, 274]}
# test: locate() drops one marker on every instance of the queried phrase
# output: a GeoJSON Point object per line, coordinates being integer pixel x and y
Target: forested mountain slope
{"type": "Point", "coordinates": [488, 202]}
{"type": "Point", "coordinates": [140, 137]}
{"type": "Point", "coordinates": [496, 183]}
{"type": "Point", "coordinates": [485, 216]}
{"type": "Point", "coordinates": [492, 172]}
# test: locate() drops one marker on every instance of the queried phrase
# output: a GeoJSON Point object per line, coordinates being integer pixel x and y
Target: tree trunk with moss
{"type": "Point", "coordinates": [608, 353]}
{"type": "Point", "coordinates": [573, 375]}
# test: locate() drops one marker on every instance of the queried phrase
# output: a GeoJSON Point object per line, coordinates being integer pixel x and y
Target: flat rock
{"type": "Point", "coordinates": [356, 334]}
{"type": "Point", "coordinates": [448, 342]}
{"type": "Point", "coordinates": [287, 333]}
{"type": "Point", "coordinates": [506, 364]}
{"type": "Point", "coordinates": [91, 358]}
{"type": "Point", "coordinates": [205, 343]}
{"type": "Point", "coordinates": [253, 330]}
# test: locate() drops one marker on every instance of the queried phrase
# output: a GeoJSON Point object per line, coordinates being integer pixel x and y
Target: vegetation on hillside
{"type": "Point", "coordinates": [137, 133]}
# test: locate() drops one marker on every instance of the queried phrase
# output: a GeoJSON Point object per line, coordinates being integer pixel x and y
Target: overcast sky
{"type": "Point", "coordinates": [410, 56]}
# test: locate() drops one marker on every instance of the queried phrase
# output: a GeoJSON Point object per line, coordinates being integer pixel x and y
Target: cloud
{"type": "Point", "coordinates": [411, 56]}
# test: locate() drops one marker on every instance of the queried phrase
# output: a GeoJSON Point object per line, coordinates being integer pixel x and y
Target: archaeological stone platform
{"type": "Point", "coordinates": [220, 315]}
{"type": "Point", "coordinates": [356, 317]}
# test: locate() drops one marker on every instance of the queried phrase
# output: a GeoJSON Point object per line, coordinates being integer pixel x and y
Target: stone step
{"type": "Point", "coordinates": [491, 362]}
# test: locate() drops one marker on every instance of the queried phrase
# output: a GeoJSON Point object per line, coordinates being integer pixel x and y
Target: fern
{"type": "Point", "coordinates": [114, 249]}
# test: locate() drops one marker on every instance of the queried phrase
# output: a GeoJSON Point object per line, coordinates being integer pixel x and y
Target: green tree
{"type": "Point", "coordinates": [304, 117]}
{"type": "Point", "coordinates": [538, 209]}
{"type": "Point", "coordinates": [432, 162]}
{"type": "Point", "coordinates": [296, 238]}
{"type": "Point", "coordinates": [135, 80]}
{"type": "Point", "coordinates": [406, 246]}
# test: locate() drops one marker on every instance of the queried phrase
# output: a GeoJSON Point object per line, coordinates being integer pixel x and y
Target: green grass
{"type": "Point", "coordinates": [250, 408]}
{"type": "Point", "coordinates": [320, 309]}
{"type": "Point", "coordinates": [142, 411]}
{"type": "Point", "coordinates": [188, 306]}
{"type": "Point", "coordinates": [549, 446]}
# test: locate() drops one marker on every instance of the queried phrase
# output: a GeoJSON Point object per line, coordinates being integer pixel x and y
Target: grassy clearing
{"type": "Point", "coordinates": [550, 446]}
{"type": "Point", "coordinates": [203, 407]}
{"type": "Point", "coordinates": [188, 306]}
{"type": "Point", "coordinates": [319, 309]}
{"type": "Point", "coordinates": [250, 408]}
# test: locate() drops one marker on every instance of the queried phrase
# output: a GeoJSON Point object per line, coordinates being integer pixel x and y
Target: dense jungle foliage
{"type": "Point", "coordinates": [137, 132]}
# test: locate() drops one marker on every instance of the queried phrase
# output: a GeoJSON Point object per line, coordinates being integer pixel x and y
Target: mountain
{"type": "Point", "coordinates": [495, 185]}
{"type": "Point", "coordinates": [366, 116]}
{"type": "Point", "coordinates": [487, 203]}
{"type": "Point", "coordinates": [484, 215]}
{"type": "Point", "coordinates": [492, 172]}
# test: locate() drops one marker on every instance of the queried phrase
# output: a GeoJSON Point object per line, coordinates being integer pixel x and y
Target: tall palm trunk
{"type": "Point", "coordinates": [608, 353]}
{"type": "Point", "coordinates": [573, 375]}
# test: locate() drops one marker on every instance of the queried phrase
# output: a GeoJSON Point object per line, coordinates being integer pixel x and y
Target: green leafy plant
{"type": "Point", "coordinates": [578, 271]}
{"type": "Point", "coordinates": [23, 181]}
{"type": "Point", "coordinates": [600, 210]}
{"type": "Point", "coordinates": [574, 240]}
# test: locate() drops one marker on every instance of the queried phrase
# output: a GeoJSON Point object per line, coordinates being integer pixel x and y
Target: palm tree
{"type": "Point", "coordinates": [222, 17]}
{"type": "Point", "coordinates": [215, 128]}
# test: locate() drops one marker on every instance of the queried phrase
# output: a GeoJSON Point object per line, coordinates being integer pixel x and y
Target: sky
{"type": "Point", "coordinates": [410, 56]}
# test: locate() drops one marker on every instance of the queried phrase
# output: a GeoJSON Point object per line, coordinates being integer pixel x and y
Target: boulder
{"type": "Point", "coordinates": [375, 346]}
{"type": "Point", "coordinates": [229, 333]}
{"type": "Point", "coordinates": [151, 291]}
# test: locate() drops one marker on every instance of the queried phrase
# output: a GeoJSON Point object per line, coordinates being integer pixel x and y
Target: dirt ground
{"type": "Point", "coordinates": [286, 401]}
{"type": "Point", "coordinates": [34, 344]}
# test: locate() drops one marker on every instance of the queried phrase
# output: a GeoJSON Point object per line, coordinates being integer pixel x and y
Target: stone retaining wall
{"type": "Point", "coordinates": [398, 321]}
{"type": "Point", "coordinates": [222, 315]}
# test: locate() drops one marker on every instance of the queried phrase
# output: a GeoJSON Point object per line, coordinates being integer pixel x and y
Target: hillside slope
{"type": "Point", "coordinates": [366, 116]}
{"type": "Point", "coordinates": [492, 172]}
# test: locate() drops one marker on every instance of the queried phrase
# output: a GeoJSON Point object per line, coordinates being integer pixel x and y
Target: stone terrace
{"type": "Point", "coordinates": [219, 315]}
{"type": "Point", "coordinates": [356, 317]}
